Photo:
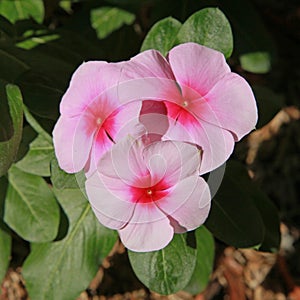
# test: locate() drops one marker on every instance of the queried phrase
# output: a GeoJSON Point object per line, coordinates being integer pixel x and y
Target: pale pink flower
{"type": "Point", "coordinates": [207, 104]}
{"type": "Point", "coordinates": [92, 118]}
{"type": "Point", "coordinates": [148, 192]}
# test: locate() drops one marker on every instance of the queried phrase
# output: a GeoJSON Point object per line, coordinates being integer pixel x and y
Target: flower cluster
{"type": "Point", "coordinates": [145, 130]}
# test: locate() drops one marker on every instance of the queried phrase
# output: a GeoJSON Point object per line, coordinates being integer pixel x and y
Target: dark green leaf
{"type": "Point", "coordinates": [30, 207]}
{"type": "Point", "coordinates": [9, 149]}
{"type": "Point", "coordinates": [105, 20]}
{"type": "Point", "coordinates": [269, 104]}
{"type": "Point", "coordinates": [208, 27]}
{"type": "Point", "coordinates": [162, 35]}
{"type": "Point", "coordinates": [5, 252]}
{"type": "Point", "coordinates": [266, 208]}
{"type": "Point", "coordinates": [5, 238]}
{"type": "Point", "coordinates": [168, 270]}
{"type": "Point", "coordinates": [15, 10]}
{"type": "Point", "coordinates": [256, 62]}
{"type": "Point", "coordinates": [205, 261]}
{"type": "Point", "coordinates": [11, 67]}
{"type": "Point", "coordinates": [234, 218]}
{"type": "Point", "coordinates": [250, 34]}
{"type": "Point", "coordinates": [37, 160]}
{"type": "Point", "coordinates": [36, 126]}
{"type": "Point", "coordinates": [61, 270]}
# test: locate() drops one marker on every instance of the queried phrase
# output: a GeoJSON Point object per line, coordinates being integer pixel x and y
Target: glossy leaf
{"type": "Point", "coordinates": [106, 19]}
{"type": "Point", "coordinates": [204, 263]}
{"type": "Point", "coordinates": [256, 62]}
{"type": "Point", "coordinates": [61, 270]}
{"type": "Point", "coordinates": [234, 218]}
{"type": "Point", "coordinates": [162, 35]}
{"type": "Point", "coordinates": [37, 160]}
{"type": "Point", "coordinates": [31, 195]}
{"type": "Point", "coordinates": [168, 270]}
{"type": "Point", "coordinates": [208, 27]}
{"type": "Point", "coordinates": [9, 148]}
{"type": "Point", "coordinates": [15, 10]}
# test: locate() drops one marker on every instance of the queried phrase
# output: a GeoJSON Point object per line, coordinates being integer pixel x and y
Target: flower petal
{"type": "Point", "coordinates": [122, 122]}
{"type": "Point", "coordinates": [197, 67]}
{"type": "Point", "coordinates": [72, 143]}
{"type": "Point", "coordinates": [150, 63]}
{"type": "Point", "coordinates": [108, 199]}
{"type": "Point", "coordinates": [125, 162]}
{"type": "Point", "coordinates": [234, 105]}
{"type": "Point", "coordinates": [148, 230]}
{"type": "Point", "coordinates": [88, 81]}
{"type": "Point", "coordinates": [216, 143]}
{"type": "Point", "coordinates": [171, 161]}
{"type": "Point", "coordinates": [188, 203]}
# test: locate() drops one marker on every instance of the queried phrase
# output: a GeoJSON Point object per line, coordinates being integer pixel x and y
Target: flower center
{"type": "Point", "coordinates": [185, 103]}
{"type": "Point", "coordinates": [149, 192]}
{"type": "Point", "coordinates": [98, 121]}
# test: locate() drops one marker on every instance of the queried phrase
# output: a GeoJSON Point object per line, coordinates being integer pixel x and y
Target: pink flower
{"type": "Point", "coordinates": [148, 192]}
{"type": "Point", "coordinates": [92, 118]}
{"type": "Point", "coordinates": [206, 103]}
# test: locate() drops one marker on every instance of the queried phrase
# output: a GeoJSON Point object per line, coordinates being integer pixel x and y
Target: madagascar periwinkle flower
{"type": "Point", "coordinates": [144, 130]}
{"type": "Point", "coordinates": [91, 121]}
{"type": "Point", "coordinates": [206, 103]}
{"type": "Point", "coordinates": [148, 192]}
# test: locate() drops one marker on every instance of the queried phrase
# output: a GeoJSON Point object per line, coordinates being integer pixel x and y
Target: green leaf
{"type": "Point", "coordinates": [267, 210]}
{"type": "Point", "coordinates": [234, 218]}
{"type": "Point", "coordinates": [61, 180]}
{"type": "Point", "coordinates": [36, 126]}
{"type": "Point", "coordinates": [205, 261]}
{"type": "Point", "coordinates": [105, 20]}
{"type": "Point", "coordinates": [253, 43]}
{"type": "Point", "coordinates": [208, 27]}
{"type": "Point", "coordinates": [256, 62]}
{"type": "Point", "coordinates": [30, 207]}
{"type": "Point", "coordinates": [269, 103]}
{"type": "Point", "coordinates": [37, 160]}
{"type": "Point", "coordinates": [15, 10]}
{"type": "Point", "coordinates": [11, 67]}
{"type": "Point", "coordinates": [168, 270]}
{"type": "Point", "coordinates": [9, 149]}
{"type": "Point", "coordinates": [5, 252]}
{"type": "Point", "coordinates": [61, 270]}
{"type": "Point", "coordinates": [5, 238]}
{"type": "Point", "coordinates": [162, 35]}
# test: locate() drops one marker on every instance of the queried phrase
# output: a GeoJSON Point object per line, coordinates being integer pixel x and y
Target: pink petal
{"type": "Point", "coordinates": [88, 81]}
{"type": "Point", "coordinates": [171, 161]}
{"type": "Point", "coordinates": [148, 230]}
{"type": "Point", "coordinates": [72, 143]}
{"type": "Point", "coordinates": [150, 63]}
{"type": "Point", "coordinates": [188, 203]}
{"type": "Point", "coordinates": [233, 102]}
{"type": "Point", "coordinates": [156, 89]}
{"type": "Point", "coordinates": [108, 200]}
{"type": "Point", "coordinates": [216, 143]}
{"type": "Point", "coordinates": [122, 122]}
{"type": "Point", "coordinates": [197, 67]}
{"type": "Point", "coordinates": [124, 162]}
{"type": "Point", "coordinates": [101, 145]}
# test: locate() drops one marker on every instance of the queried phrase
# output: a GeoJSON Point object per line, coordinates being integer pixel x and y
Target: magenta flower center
{"type": "Point", "coordinates": [150, 193]}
